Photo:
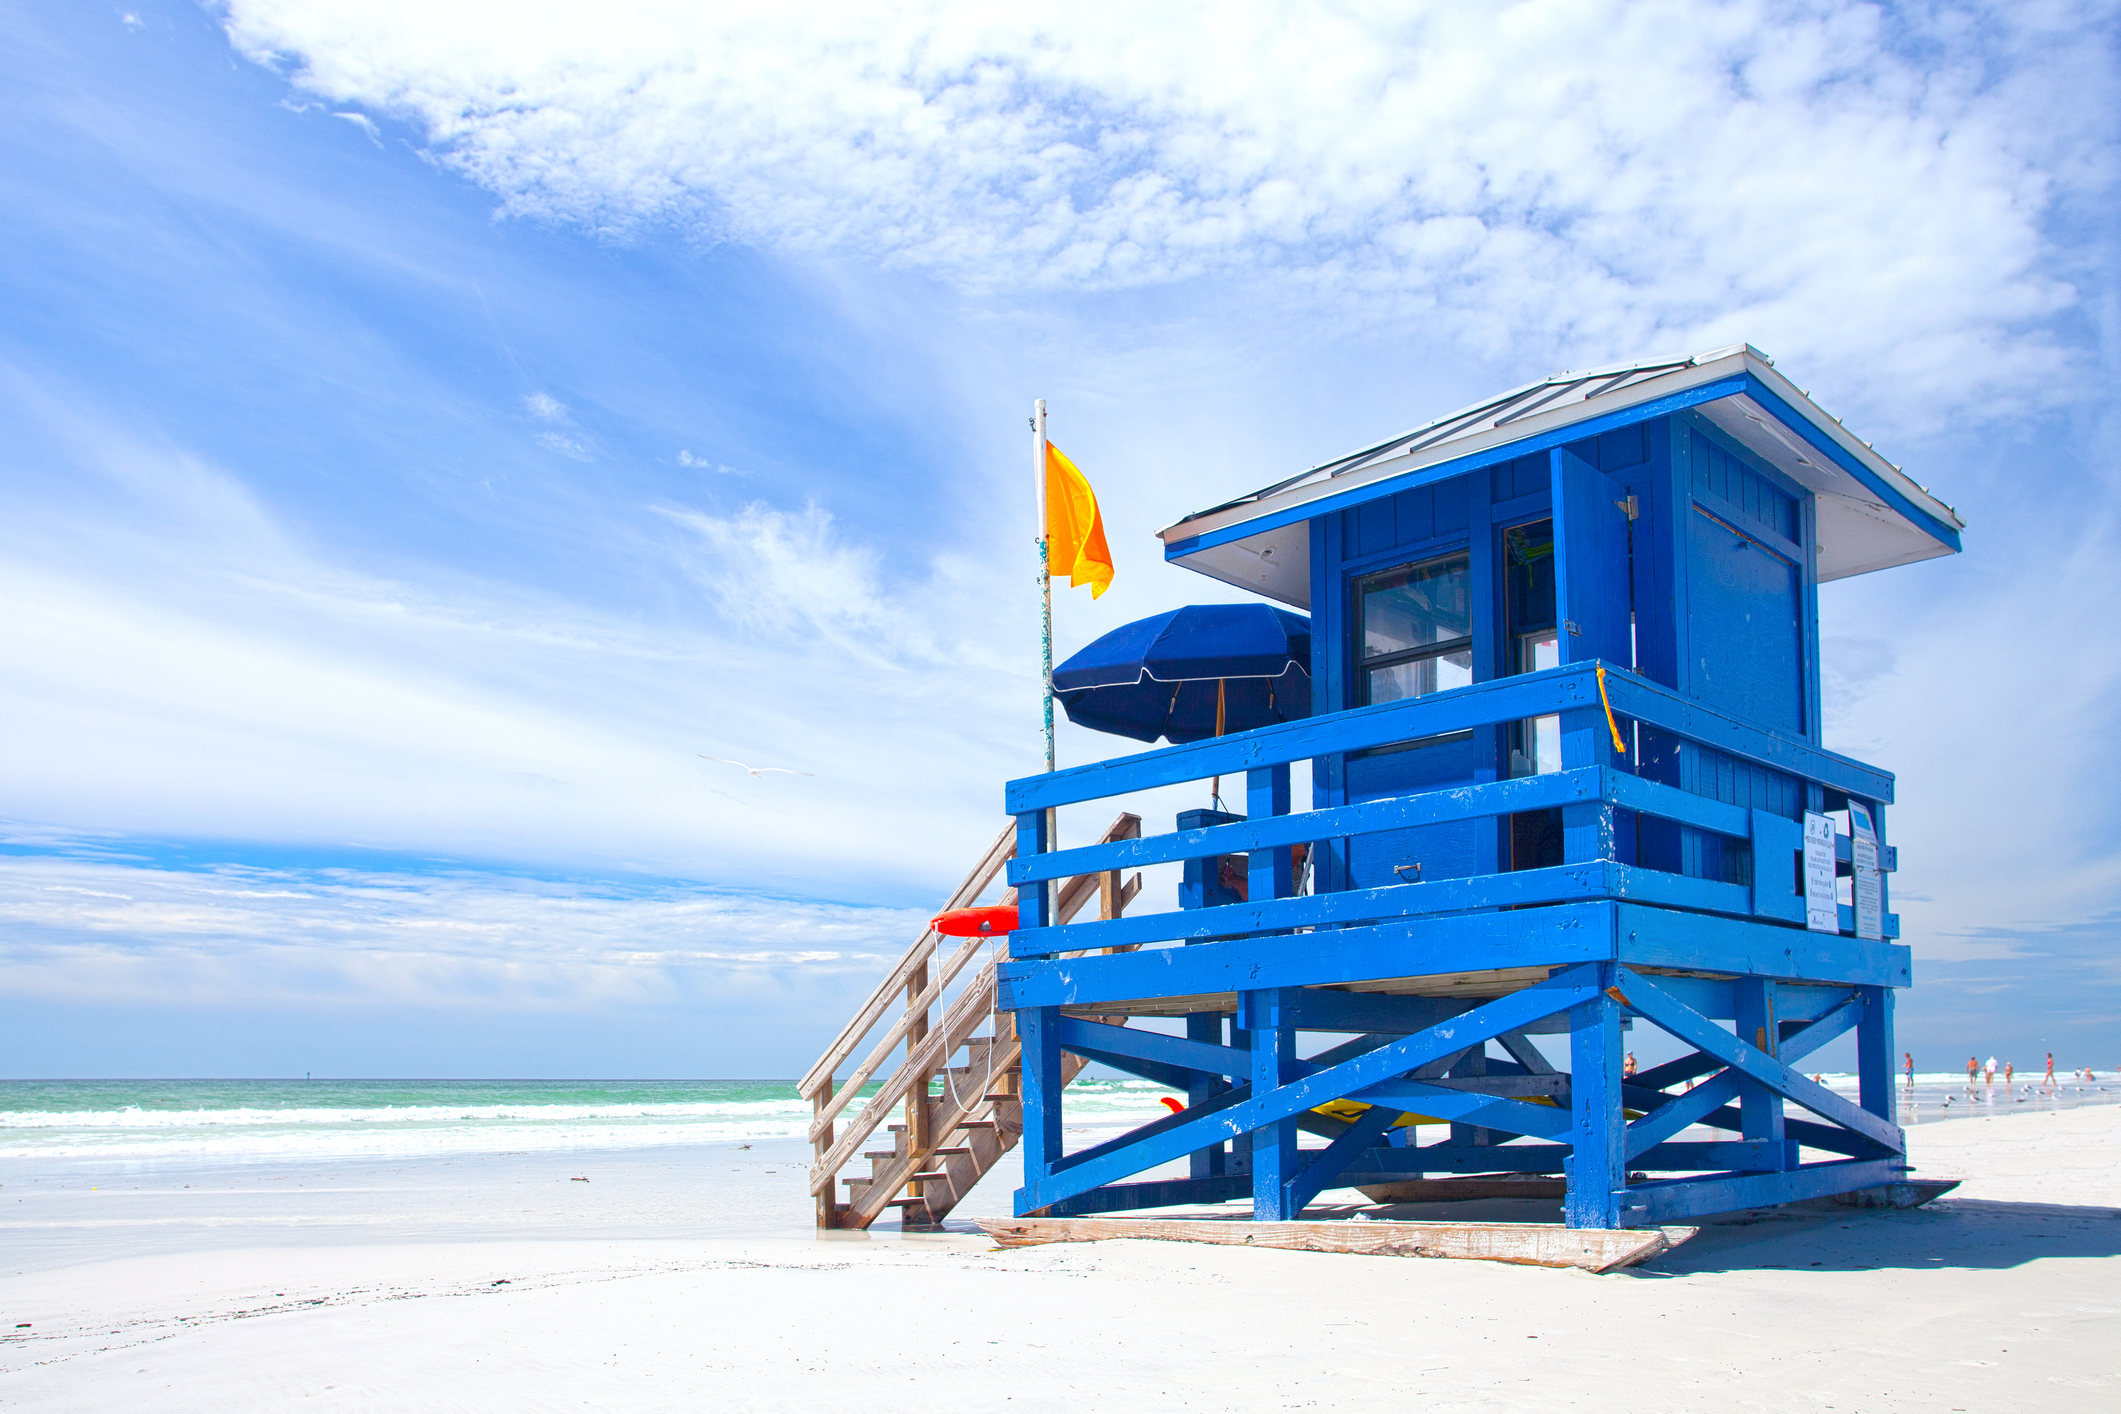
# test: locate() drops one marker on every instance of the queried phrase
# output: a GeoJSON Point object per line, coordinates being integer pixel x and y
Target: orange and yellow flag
{"type": "Point", "coordinates": [1075, 532]}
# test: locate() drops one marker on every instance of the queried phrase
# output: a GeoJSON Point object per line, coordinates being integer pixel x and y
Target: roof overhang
{"type": "Point", "coordinates": [1871, 514]}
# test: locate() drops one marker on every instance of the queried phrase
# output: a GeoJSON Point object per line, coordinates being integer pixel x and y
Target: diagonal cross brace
{"type": "Point", "coordinates": [1704, 1099]}
{"type": "Point", "coordinates": [1331, 1161]}
{"type": "Point", "coordinates": [1705, 1035]}
{"type": "Point", "coordinates": [1155, 1144]}
{"type": "Point", "coordinates": [1469, 1107]}
{"type": "Point", "coordinates": [1668, 1119]}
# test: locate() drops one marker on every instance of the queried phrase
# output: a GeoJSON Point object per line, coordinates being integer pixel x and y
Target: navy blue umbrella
{"type": "Point", "coordinates": [1192, 673]}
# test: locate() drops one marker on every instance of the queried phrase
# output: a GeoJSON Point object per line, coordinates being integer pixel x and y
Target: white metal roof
{"type": "Point", "coordinates": [1871, 514]}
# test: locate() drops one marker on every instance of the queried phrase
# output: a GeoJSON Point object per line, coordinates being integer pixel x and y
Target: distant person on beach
{"type": "Point", "coordinates": [1973, 1070]}
{"type": "Point", "coordinates": [1628, 1067]}
{"type": "Point", "coordinates": [1989, 1072]}
{"type": "Point", "coordinates": [2050, 1081]}
{"type": "Point", "coordinates": [1907, 1059]}
{"type": "Point", "coordinates": [2009, 1073]}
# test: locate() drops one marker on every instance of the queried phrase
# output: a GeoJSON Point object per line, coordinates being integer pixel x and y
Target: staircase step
{"type": "Point", "coordinates": [976, 1124]}
{"type": "Point", "coordinates": [878, 1155]}
{"type": "Point", "coordinates": [952, 1149]}
{"type": "Point", "coordinates": [929, 1174]}
{"type": "Point", "coordinates": [1001, 1097]}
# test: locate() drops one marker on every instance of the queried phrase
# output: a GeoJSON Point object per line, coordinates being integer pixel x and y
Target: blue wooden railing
{"type": "Point", "coordinates": [1595, 781]}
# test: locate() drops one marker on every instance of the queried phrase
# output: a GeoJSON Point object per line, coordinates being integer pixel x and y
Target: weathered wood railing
{"type": "Point", "coordinates": [919, 982]}
{"type": "Point", "coordinates": [1591, 786]}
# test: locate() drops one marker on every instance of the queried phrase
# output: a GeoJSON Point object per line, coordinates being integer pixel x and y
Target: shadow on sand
{"type": "Point", "coordinates": [1963, 1232]}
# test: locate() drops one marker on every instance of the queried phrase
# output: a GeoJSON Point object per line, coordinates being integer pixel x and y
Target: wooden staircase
{"type": "Point", "coordinates": [957, 1085]}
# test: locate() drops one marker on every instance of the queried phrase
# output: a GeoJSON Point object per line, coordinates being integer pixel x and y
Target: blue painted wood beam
{"type": "Point", "coordinates": [1520, 938]}
{"type": "Point", "coordinates": [1082, 1172]}
{"type": "Point", "coordinates": [1573, 687]}
{"type": "Point", "coordinates": [1154, 1193]}
{"type": "Point", "coordinates": [1274, 1065]}
{"type": "Point", "coordinates": [1683, 1110]}
{"type": "Point", "coordinates": [1697, 1104]}
{"type": "Point", "coordinates": [1704, 1035]}
{"type": "Point", "coordinates": [1662, 937]}
{"type": "Point", "coordinates": [1433, 807]}
{"type": "Point", "coordinates": [1671, 1200]}
{"type": "Point", "coordinates": [1562, 883]}
{"type": "Point", "coordinates": [1176, 1053]}
{"type": "Point", "coordinates": [1558, 936]}
{"type": "Point", "coordinates": [1324, 1169]}
{"type": "Point", "coordinates": [1597, 1161]}
{"type": "Point", "coordinates": [1697, 1156]}
{"type": "Point", "coordinates": [1469, 1107]}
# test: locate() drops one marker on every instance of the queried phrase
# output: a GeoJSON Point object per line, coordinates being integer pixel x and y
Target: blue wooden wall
{"type": "Point", "coordinates": [1724, 591]}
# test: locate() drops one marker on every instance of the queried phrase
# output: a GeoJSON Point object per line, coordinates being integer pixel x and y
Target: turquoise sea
{"type": "Point", "coordinates": [277, 1120]}
{"type": "Point", "coordinates": [234, 1121]}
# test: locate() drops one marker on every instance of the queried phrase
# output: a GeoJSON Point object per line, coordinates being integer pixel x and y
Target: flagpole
{"type": "Point", "coordinates": [1045, 577]}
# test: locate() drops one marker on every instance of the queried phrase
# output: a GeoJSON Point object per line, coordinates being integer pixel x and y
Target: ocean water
{"type": "Point", "coordinates": [233, 1121]}
{"type": "Point", "coordinates": [237, 1121]}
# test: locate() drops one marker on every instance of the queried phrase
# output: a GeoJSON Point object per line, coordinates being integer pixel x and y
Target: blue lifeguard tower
{"type": "Point", "coordinates": [1567, 778]}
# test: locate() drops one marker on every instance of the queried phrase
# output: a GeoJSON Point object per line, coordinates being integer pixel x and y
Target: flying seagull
{"type": "Point", "coordinates": [757, 772]}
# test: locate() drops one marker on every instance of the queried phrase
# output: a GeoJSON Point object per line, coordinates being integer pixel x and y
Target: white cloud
{"type": "Point", "coordinates": [544, 407]}
{"type": "Point", "coordinates": [565, 445]}
{"type": "Point", "coordinates": [1839, 183]}
{"type": "Point", "coordinates": [176, 664]}
{"type": "Point", "coordinates": [686, 458]}
{"type": "Point", "coordinates": [365, 123]}
{"type": "Point", "coordinates": [113, 933]}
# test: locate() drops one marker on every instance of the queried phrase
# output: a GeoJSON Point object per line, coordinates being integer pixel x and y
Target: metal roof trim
{"type": "Point", "coordinates": [1625, 385]}
{"type": "Point", "coordinates": [1674, 377]}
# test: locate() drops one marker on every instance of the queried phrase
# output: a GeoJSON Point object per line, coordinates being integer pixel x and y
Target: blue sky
{"type": "Point", "coordinates": [429, 427]}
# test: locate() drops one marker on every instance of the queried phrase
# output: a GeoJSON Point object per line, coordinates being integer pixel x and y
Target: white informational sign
{"type": "Point", "coordinates": [1821, 913]}
{"type": "Point", "coordinates": [1863, 854]}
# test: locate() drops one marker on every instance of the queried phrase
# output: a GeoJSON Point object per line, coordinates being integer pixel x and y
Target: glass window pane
{"type": "Point", "coordinates": [1421, 677]}
{"type": "Point", "coordinates": [1528, 551]}
{"type": "Point", "coordinates": [1538, 650]}
{"type": "Point", "coordinates": [1417, 607]}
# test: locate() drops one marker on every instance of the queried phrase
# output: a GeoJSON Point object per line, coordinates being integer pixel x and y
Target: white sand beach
{"type": "Point", "coordinates": [505, 1284]}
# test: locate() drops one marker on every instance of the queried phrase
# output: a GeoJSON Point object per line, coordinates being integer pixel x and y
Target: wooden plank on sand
{"type": "Point", "coordinates": [1527, 1244]}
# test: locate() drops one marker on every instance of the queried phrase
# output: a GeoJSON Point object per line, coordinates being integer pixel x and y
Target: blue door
{"type": "Point", "coordinates": [1745, 615]}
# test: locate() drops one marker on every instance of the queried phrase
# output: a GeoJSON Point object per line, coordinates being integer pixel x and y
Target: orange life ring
{"type": "Point", "coordinates": [994, 919]}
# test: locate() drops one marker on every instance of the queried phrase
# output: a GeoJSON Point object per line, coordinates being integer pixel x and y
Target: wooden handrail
{"type": "Point", "coordinates": [975, 883]}
{"type": "Point", "coordinates": [843, 1093]}
{"type": "Point", "coordinates": [928, 1053]}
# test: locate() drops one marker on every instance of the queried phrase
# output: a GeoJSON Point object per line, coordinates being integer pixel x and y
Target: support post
{"type": "Point", "coordinates": [1267, 793]}
{"type": "Point", "coordinates": [1206, 1026]}
{"type": "Point", "coordinates": [1598, 1158]}
{"type": "Point", "coordinates": [1874, 1053]}
{"type": "Point", "coordinates": [1586, 830]}
{"type": "Point", "coordinates": [1759, 1108]}
{"type": "Point", "coordinates": [919, 1115]}
{"type": "Point", "coordinates": [1472, 1064]}
{"type": "Point", "coordinates": [1038, 1028]}
{"type": "Point", "coordinates": [1273, 1145]}
{"type": "Point", "coordinates": [828, 1201]}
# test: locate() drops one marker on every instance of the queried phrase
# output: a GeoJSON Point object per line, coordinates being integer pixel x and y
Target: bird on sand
{"type": "Point", "coordinates": [757, 772]}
